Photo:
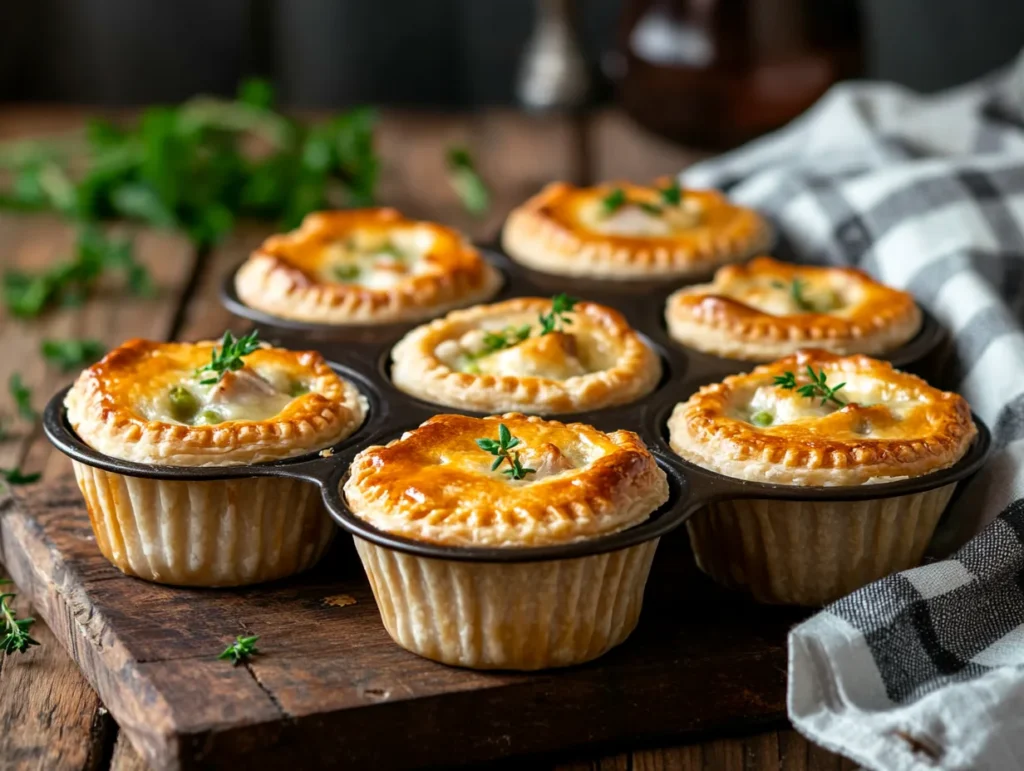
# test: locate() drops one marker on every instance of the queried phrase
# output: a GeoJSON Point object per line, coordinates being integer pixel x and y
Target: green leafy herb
{"type": "Point", "coordinates": [796, 291]}
{"type": "Point", "coordinates": [228, 356]}
{"type": "Point", "coordinates": [242, 649]}
{"type": "Point", "coordinates": [67, 283]}
{"type": "Point", "coordinates": [346, 272]}
{"type": "Point", "coordinates": [502, 450]}
{"type": "Point", "coordinates": [561, 304]}
{"type": "Point", "coordinates": [614, 201]}
{"type": "Point", "coordinates": [653, 209]}
{"type": "Point", "coordinates": [673, 194]}
{"type": "Point", "coordinates": [15, 476]}
{"type": "Point", "coordinates": [507, 338]}
{"type": "Point", "coordinates": [22, 396]}
{"type": "Point", "coordinates": [73, 353]}
{"type": "Point", "coordinates": [14, 636]}
{"type": "Point", "coordinates": [393, 252]}
{"type": "Point", "coordinates": [762, 418]}
{"type": "Point", "coordinates": [467, 182]}
{"type": "Point", "coordinates": [817, 388]}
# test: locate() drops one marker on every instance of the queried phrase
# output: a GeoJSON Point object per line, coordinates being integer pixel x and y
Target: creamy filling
{"type": "Point", "coordinates": [377, 260]}
{"type": "Point", "coordinates": [555, 356]}
{"type": "Point", "coordinates": [246, 394]}
{"type": "Point", "coordinates": [631, 219]}
{"type": "Point", "coordinates": [788, 298]}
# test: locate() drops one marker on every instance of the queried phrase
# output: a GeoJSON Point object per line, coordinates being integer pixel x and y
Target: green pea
{"type": "Point", "coordinates": [346, 272]}
{"type": "Point", "coordinates": [210, 417]}
{"type": "Point", "coordinates": [297, 388]}
{"type": "Point", "coordinates": [184, 404]}
{"type": "Point", "coordinates": [762, 418]}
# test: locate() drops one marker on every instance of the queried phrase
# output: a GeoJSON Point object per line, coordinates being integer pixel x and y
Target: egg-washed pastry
{"type": "Point", "coordinates": [364, 266]}
{"type": "Point", "coordinates": [620, 230]}
{"type": "Point", "coordinates": [510, 482]}
{"type": "Point", "coordinates": [208, 404]}
{"type": "Point", "coordinates": [818, 419]}
{"type": "Point", "coordinates": [537, 355]}
{"type": "Point", "coordinates": [766, 309]}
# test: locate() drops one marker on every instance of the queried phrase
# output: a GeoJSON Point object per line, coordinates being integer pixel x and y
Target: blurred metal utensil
{"type": "Point", "coordinates": [553, 72]}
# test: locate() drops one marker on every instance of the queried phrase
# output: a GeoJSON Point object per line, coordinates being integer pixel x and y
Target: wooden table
{"type": "Point", "coordinates": [50, 718]}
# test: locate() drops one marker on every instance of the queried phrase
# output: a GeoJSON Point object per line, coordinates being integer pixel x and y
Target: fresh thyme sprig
{"type": "Point", "coordinates": [467, 182]}
{"type": "Point", "coordinates": [561, 304]}
{"type": "Point", "coordinates": [614, 201]}
{"type": "Point", "coordinates": [818, 387]}
{"type": "Point", "coordinates": [15, 476]}
{"type": "Point", "coordinates": [242, 649]}
{"type": "Point", "coordinates": [507, 338]}
{"type": "Point", "coordinates": [14, 636]}
{"type": "Point", "coordinates": [502, 450]}
{"type": "Point", "coordinates": [228, 357]}
{"type": "Point", "coordinates": [73, 353]}
{"type": "Point", "coordinates": [673, 194]}
{"type": "Point", "coordinates": [22, 396]}
{"type": "Point", "coordinates": [796, 291]}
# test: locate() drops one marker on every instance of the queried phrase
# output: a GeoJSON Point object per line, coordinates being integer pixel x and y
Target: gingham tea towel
{"type": "Point", "coordinates": [924, 669]}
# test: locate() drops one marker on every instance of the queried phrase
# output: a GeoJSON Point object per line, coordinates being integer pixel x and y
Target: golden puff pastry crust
{"type": "Point", "coordinates": [596, 361]}
{"type": "Point", "coordinates": [436, 484]}
{"type": "Point", "coordinates": [766, 309]}
{"type": "Point", "coordinates": [893, 425]}
{"type": "Point", "coordinates": [120, 406]}
{"type": "Point", "coordinates": [364, 266]}
{"type": "Point", "coordinates": [568, 231]}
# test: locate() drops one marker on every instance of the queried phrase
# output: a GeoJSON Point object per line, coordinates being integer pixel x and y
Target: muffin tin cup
{"type": "Point", "coordinates": [362, 354]}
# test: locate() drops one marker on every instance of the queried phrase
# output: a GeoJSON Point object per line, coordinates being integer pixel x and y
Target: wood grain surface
{"type": "Point", "coordinates": [50, 717]}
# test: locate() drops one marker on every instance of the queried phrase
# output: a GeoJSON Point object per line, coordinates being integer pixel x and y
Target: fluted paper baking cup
{"type": "Point", "coordinates": [527, 615]}
{"type": "Point", "coordinates": [813, 552]}
{"type": "Point", "coordinates": [213, 533]}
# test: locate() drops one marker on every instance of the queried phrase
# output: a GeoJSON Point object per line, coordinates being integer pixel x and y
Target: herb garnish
{"type": "Point", "coordinates": [72, 353]}
{"type": "Point", "coordinates": [651, 208]}
{"type": "Point", "coordinates": [614, 201]}
{"type": "Point", "coordinates": [15, 476]}
{"type": "Point", "coordinates": [818, 387]}
{"type": "Point", "coordinates": [242, 649]}
{"type": "Point", "coordinates": [467, 182]}
{"type": "Point", "coordinates": [673, 194]}
{"type": "Point", "coordinates": [507, 338]}
{"type": "Point", "coordinates": [15, 637]}
{"type": "Point", "coordinates": [796, 291]}
{"type": "Point", "coordinates": [22, 396]}
{"type": "Point", "coordinates": [228, 357]}
{"type": "Point", "coordinates": [561, 304]}
{"type": "Point", "coordinates": [346, 272]}
{"type": "Point", "coordinates": [502, 450]}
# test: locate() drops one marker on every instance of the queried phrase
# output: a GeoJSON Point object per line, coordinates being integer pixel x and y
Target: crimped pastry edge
{"type": "Point", "coordinates": [532, 237]}
{"type": "Point", "coordinates": [699, 433]}
{"type": "Point", "coordinates": [738, 331]}
{"type": "Point", "coordinates": [619, 490]}
{"type": "Point", "coordinates": [268, 282]}
{"type": "Point", "coordinates": [108, 425]}
{"type": "Point", "coordinates": [417, 370]}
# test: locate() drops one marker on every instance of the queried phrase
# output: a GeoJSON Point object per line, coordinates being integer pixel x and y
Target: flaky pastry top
{"type": "Point", "coordinates": [573, 231]}
{"type": "Point", "coordinates": [364, 266]}
{"type": "Point", "coordinates": [436, 484]}
{"type": "Point", "coordinates": [282, 403]}
{"type": "Point", "coordinates": [890, 424]}
{"type": "Point", "coordinates": [766, 308]}
{"type": "Point", "coordinates": [594, 360]}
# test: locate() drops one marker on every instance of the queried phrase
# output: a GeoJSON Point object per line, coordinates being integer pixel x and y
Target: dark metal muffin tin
{"type": "Point", "coordinates": [362, 354]}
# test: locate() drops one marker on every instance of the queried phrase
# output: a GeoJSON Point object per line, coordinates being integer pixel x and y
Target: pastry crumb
{"type": "Point", "coordinates": [340, 600]}
{"type": "Point", "coordinates": [326, 453]}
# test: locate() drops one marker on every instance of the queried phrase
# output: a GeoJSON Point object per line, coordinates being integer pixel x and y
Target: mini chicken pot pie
{"type": "Point", "coordinates": [364, 266]}
{"type": "Point", "coordinates": [197, 404]}
{"type": "Point", "coordinates": [531, 354]}
{"type": "Point", "coordinates": [625, 231]}
{"type": "Point", "coordinates": [510, 482]}
{"type": "Point", "coordinates": [817, 419]}
{"type": "Point", "coordinates": [767, 309]}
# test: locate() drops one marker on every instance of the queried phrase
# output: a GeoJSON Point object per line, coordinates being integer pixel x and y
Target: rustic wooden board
{"type": "Point", "coordinates": [331, 687]}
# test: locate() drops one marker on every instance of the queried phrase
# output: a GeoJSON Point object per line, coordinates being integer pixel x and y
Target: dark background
{"type": "Point", "coordinates": [451, 53]}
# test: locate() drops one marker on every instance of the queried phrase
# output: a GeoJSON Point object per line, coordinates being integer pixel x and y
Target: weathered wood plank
{"type": "Point", "coordinates": [50, 718]}
{"type": "Point", "coordinates": [126, 757]}
{"type": "Point", "coordinates": [623, 150]}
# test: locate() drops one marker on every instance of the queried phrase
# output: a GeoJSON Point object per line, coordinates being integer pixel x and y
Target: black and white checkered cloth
{"type": "Point", "coordinates": [923, 669]}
